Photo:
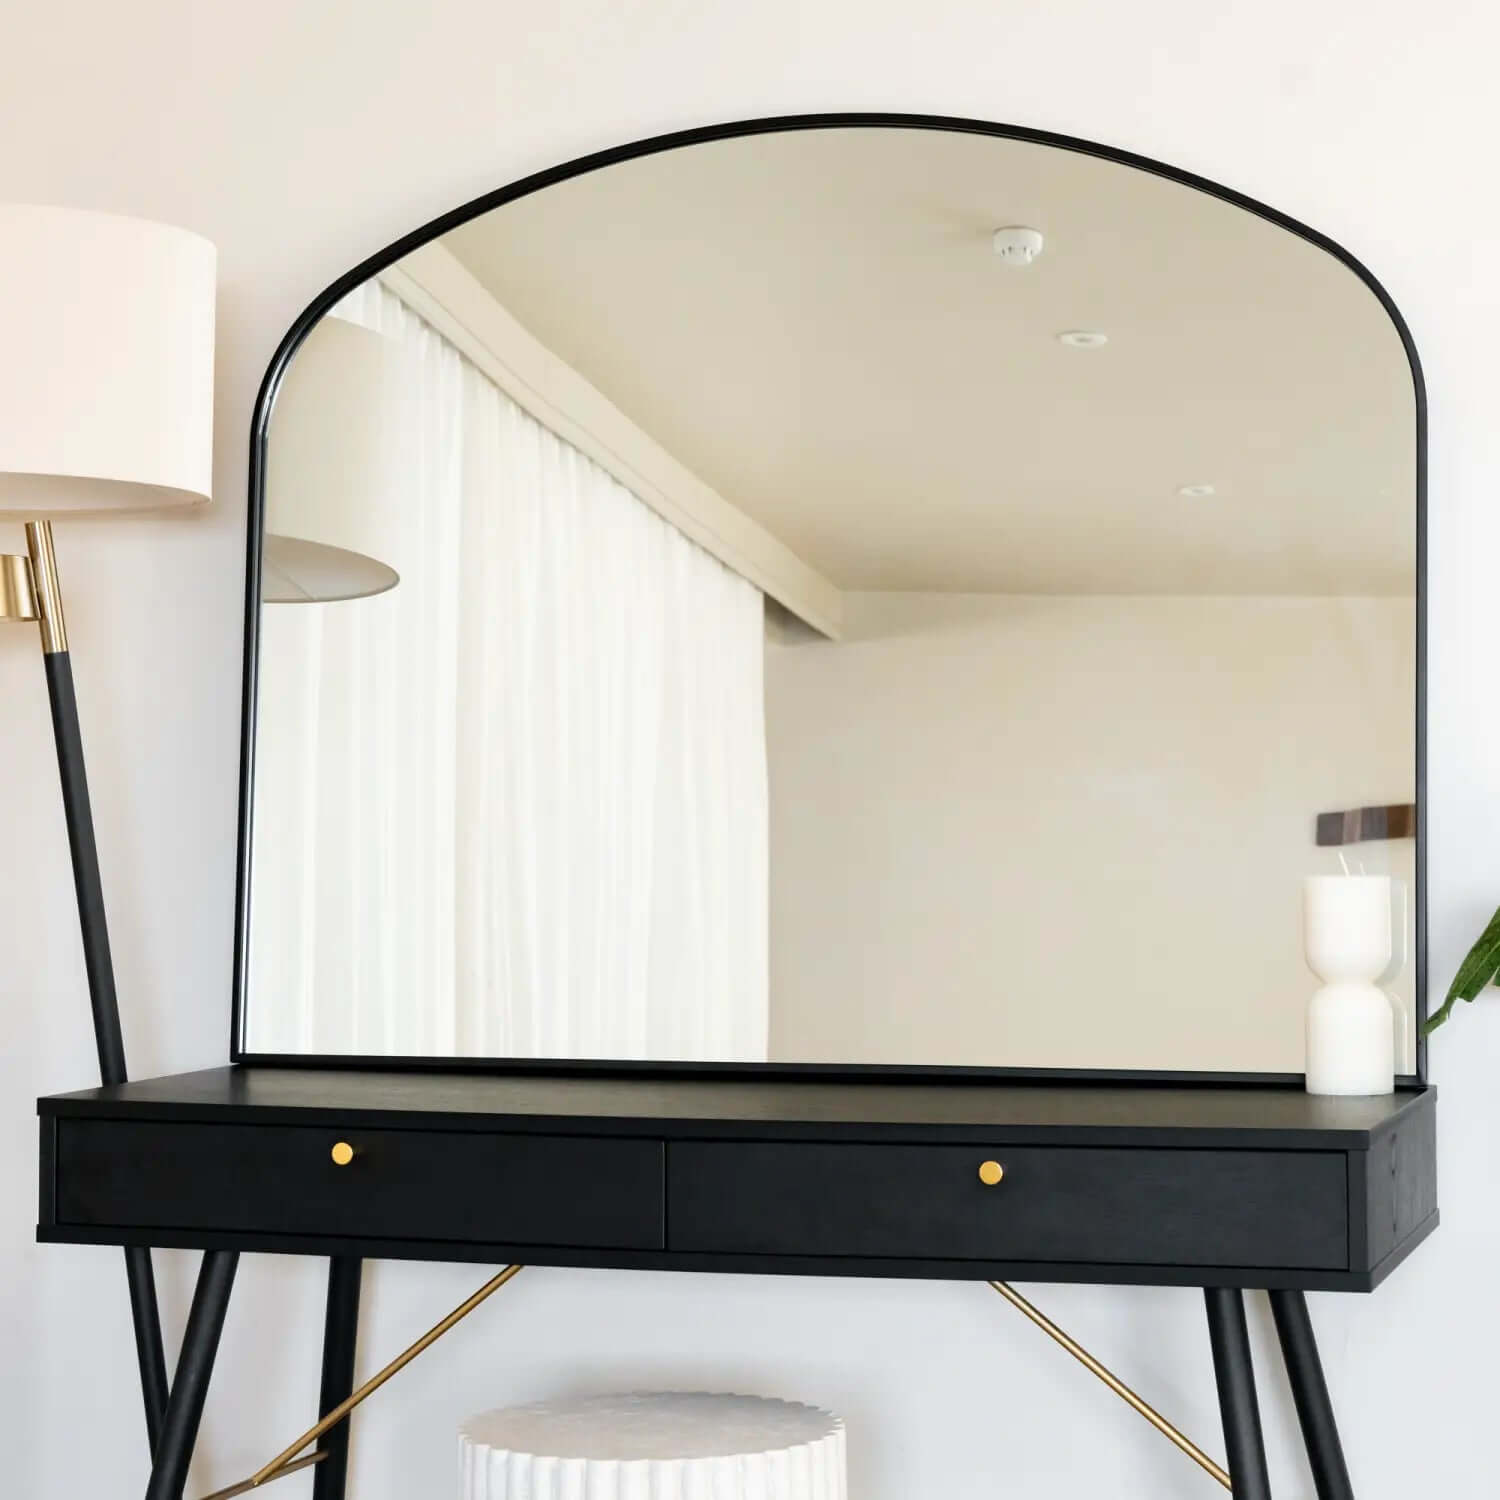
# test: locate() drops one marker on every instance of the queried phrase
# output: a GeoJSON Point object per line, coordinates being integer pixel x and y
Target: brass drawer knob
{"type": "Point", "coordinates": [342, 1153]}
{"type": "Point", "coordinates": [990, 1173]}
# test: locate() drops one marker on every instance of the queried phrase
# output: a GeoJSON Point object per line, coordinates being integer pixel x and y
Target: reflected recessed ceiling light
{"type": "Point", "coordinates": [1083, 338]}
{"type": "Point", "coordinates": [1195, 491]}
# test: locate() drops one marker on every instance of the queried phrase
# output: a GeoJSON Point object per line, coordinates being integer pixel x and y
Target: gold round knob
{"type": "Point", "coordinates": [342, 1153]}
{"type": "Point", "coordinates": [990, 1172]}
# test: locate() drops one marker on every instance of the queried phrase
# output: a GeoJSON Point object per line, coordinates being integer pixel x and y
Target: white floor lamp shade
{"type": "Point", "coordinates": [331, 468]}
{"type": "Point", "coordinates": [106, 385]}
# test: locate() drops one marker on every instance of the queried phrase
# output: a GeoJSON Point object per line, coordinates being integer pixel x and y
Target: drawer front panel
{"type": "Point", "coordinates": [1126, 1206]}
{"type": "Point", "coordinates": [400, 1184]}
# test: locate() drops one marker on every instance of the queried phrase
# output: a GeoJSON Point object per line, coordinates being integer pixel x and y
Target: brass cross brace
{"type": "Point", "coordinates": [292, 1459]}
{"type": "Point", "coordinates": [1113, 1381]}
{"type": "Point", "coordinates": [287, 1461]}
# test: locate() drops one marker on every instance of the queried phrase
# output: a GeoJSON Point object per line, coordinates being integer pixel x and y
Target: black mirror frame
{"type": "Point", "coordinates": [259, 427]}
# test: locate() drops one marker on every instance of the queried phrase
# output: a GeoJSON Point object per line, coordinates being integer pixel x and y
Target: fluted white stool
{"type": "Point", "coordinates": [654, 1447]}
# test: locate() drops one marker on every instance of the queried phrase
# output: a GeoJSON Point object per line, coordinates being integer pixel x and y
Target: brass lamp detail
{"type": "Point", "coordinates": [29, 589]}
{"type": "Point", "coordinates": [48, 591]}
{"type": "Point", "coordinates": [17, 595]}
{"type": "Point", "coordinates": [990, 1173]}
{"type": "Point", "coordinates": [342, 1153]}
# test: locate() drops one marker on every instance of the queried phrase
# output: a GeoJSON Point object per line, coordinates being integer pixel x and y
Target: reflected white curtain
{"type": "Point", "coordinates": [517, 806]}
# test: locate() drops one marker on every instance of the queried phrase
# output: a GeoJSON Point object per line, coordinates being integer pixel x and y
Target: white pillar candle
{"type": "Point", "coordinates": [1351, 1035]}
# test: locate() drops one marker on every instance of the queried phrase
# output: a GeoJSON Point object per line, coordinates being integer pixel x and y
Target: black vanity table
{"type": "Point", "coordinates": [1224, 1188]}
{"type": "Point", "coordinates": [1256, 1186]}
{"type": "Point", "coordinates": [1043, 747]}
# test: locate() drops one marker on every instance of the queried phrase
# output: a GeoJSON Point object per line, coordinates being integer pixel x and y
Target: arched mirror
{"type": "Point", "coordinates": [833, 593]}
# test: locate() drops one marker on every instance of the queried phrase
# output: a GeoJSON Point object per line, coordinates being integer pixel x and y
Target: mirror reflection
{"type": "Point", "coordinates": [851, 595]}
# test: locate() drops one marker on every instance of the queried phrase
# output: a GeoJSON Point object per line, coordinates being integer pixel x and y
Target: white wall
{"type": "Point", "coordinates": [1070, 831]}
{"type": "Point", "coordinates": [301, 137]}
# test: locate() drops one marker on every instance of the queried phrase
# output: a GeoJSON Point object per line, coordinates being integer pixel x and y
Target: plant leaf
{"type": "Point", "coordinates": [1478, 970]}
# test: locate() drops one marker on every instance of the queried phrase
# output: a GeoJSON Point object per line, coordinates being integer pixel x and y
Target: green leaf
{"type": "Point", "coordinates": [1477, 971]}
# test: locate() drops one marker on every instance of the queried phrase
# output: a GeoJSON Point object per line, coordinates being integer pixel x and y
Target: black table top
{"type": "Point", "coordinates": [1262, 1116]}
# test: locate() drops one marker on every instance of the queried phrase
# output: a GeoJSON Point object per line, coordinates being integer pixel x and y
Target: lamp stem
{"type": "Point", "coordinates": [75, 793]}
{"type": "Point", "coordinates": [95, 930]}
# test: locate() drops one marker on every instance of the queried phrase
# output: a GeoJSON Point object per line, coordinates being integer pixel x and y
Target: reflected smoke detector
{"type": "Point", "coordinates": [1017, 246]}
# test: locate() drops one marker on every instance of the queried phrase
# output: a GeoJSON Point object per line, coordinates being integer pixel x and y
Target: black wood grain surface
{"type": "Point", "coordinates": [1182, 1185]}
{"type": "Point", "coordinates": [281, 1179]}
{"type": "Point", "coordinates": [1049, 1114]}
{"type": "Point", "coordinates": [1068, 1203]}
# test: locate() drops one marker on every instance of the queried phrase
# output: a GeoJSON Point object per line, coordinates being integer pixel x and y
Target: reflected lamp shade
{"type": "Point", "coordinates": [106, 380]}
{"type": "Point", "coordinates": [330, 468]}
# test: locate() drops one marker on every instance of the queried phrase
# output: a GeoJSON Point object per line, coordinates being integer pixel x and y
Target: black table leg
{"type": "Point", "coordinates": [1235, 1375]}
{"type": "Point", "coordinates": [195, 1367]}
{"type": "Point", "coordinates": [340, 1332]}
{"type": "Point", "coordinates": [1320, 1433]}
{"type": "Point", "coordinates": [148, 1345]}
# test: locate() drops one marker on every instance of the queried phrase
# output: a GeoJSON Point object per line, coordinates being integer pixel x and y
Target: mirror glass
{"type": "Point", "coordinates": [879, 595]}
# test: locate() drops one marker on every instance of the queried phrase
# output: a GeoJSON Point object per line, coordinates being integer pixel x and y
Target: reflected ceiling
{"type": "Point", "coordinates": [817, 325]}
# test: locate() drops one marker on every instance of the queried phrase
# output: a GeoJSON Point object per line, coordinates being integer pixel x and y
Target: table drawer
{"type": "Point", "coordinates": [1066, 1204]}
{"type": "Point", "coordinates": [401, 1184]}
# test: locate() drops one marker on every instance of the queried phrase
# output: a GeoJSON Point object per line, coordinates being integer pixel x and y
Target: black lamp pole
{"type": "Point", "coordinates": [47, 610]}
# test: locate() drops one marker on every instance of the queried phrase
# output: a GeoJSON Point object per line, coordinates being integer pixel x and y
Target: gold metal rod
{"type": "Point", "coordinates": [48, 590]}
{"type": "Point", "coordinates": [246, 1485]}
{"type": "Point", "coordinates": [1113, 1381]}
{"type": "Point", "coordinates": [378, 1379]}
